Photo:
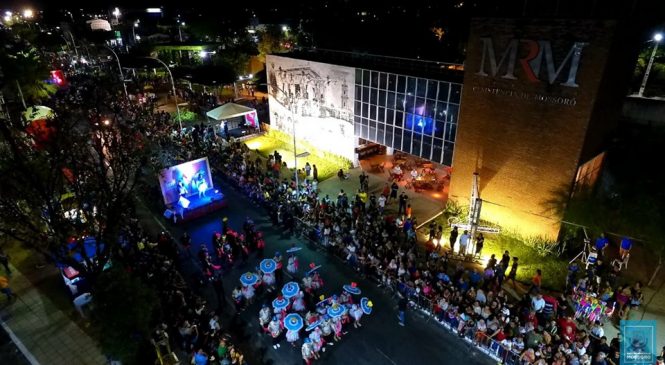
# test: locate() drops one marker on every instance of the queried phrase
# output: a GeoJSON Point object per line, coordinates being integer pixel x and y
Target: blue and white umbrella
{"type": "Point", "coordinates": [336, 310]}
{"type": "Point", "coordinates": [366, 305]}
{"type": "Point", "coordinates": [293, 249]}
{"type": "Point", "coordinates": [268, 266]}
{"type": "Point", "coordinates": [249, 278]}
{"type": "Point", "coordinates": [280, 303]}
{"type": "Point", "coordinates": [352, 289]}
{"type": "Point", "coordinates": [313, 269]}
{"type": "Point", "coordinates": [293, 322]}
{"type": "Point", "coordinates": [290, 289]}
{"type": "Point", "coordinates": [314, 325]}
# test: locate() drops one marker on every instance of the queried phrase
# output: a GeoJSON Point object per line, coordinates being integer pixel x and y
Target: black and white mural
{"type": "Point", "coordinates": [315, 98]}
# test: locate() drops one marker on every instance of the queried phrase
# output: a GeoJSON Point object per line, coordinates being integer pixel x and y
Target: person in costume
{"type": "Point", "coordinates": [357, 313]}
{"type": "Point", "coordinates": [315, 337]}
{"type": "Point", "coordinates": [337, 328]}
{"type": "Point", "coordinates": [292, 266]}
{"type": "Point", "coordinates": [292, 337]}
{"type": "Point", "coordinates": [327, 329]}
{"type": "Point", "coordinates": [345, 298]}
{"type": "Point", "coordinates": [264, 316]}
{"type": "Point", "coordinates": [307, 351]}
{"type": "Point", "coordinates": [307, 284]}
{"type": "Point", "coordinates": [275, 330]}
{"type": "Point", "coordinates": [237, 298]}
{"type": "Point", "coordinates": [269, 280]}
{"type": "Point", "coordinates": [279, 274]}
{"type": "Point", "coordinates": [299, 302]}
{"type": "Point", "coordinates": [248, 292]}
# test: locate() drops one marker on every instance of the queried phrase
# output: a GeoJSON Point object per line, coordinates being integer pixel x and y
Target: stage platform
{"type": "Point", "coordinates": [197, 207]}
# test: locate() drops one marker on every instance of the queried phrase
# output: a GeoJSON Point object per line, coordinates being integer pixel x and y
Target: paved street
{"type": "Point", "coordinates": [380, 341]}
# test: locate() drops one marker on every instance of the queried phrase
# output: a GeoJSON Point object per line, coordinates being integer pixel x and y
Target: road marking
{"type": "Point", "coordinates": [386, 356]}
{"type": "Point", "coordinates": [27, 354]}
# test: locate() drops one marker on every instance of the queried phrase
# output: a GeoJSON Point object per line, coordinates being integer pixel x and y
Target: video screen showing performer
{"type": "Point", "coordinates": [187, 180]}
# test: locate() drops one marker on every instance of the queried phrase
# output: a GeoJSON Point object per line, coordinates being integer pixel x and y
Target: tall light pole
{"type": "Point", "coordinates": [136, 25]}
{"type": "Point", "coordinates": [122, 77]}
{"type": "Point", "coordinates": [175, 97]}
{"type": "Point", "coordinates": [657, 38]}
{"type": "Point", "coordinates": [295, 158]}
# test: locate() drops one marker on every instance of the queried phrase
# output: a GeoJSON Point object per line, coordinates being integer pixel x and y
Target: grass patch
{"type": "Point", "coordinates": [327, 163]}
{"type": "Point", "coordinates": [533, 252]}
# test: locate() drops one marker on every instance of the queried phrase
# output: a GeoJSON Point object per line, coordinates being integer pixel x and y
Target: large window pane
{"type": "Point", "coordinates": [410, 103]}
{"type": "Point", "coordinates": [439, 128]}
{"type": "Point", "coordinates": [392, 82]}
{"type": "Point", "coordinates": [359, 75]}
{"type": "Point", "coordinates": [390, 103]}
{"type": "Point", "coordinates": [401, 84]}
{"type": "Point", "coordinates": [411, 86]}
{"type": "Point", "coordinates": [359, 90]}
{"type": "Point", "coordinates": [400, 101]}
{"type": "Point", "coordinates": [437, 150]}
{"type": "Point", "coordinates": [357, 108]}
{"type": "Point", "coordinates": [426, 148]}
{"type": "Point", "coordinates": [363, 131]}
{"type": "Point", "coordinates": [371, 134]}
{"type": "Point", "coordinates": [443, 91]}
{"type": "Point", "coordinates": [380, 130]}
{"type": "Point", "coordinates": [415, 149]}
{"type": "Point", "coordinates": [390, 116]}
{"type": "Point", "coordinates": [381, 115]}
{"type": "Point", "coordinates": [406, 141]}
{"type": "Point", "coordinates": [399, 118]}
{"type": "Point", "coordinates": [452, 113]}
{"type": "Point", "coordinates": [356, 129]}
{"type": "Point", "coordinates": [372, 112]}
{"type": "Point", "coordinates": [421, 89]}
{"type": "Point", "coordinates": [383, 80]}
{"type": "Point", "coordinates": [365, 97]}
{"type": "Point", "coordinates": [389, 137]}
{"type": "Point", "coordinates": [442, 111]}
{"type": "Point", "coordinates": [420, 106]}
{"type": "Point", "coordinates": [374, 82]}
{"type": "Point", "coordinates": [455, 93]}
{"type": "Point", "coordinates": [429, 109]}
{"type": "Point", "coordinates": [382, 98]}
{"type": "Point", "coordinates": [366, 76]}
{"type": "Point", "coordinates": [372, 98]}
{"type": "Point", "coordinates": [397, 143]}
{"type": "Point", "coordinates": [365, 110]}
{"type": "Point", "coordinates": [450, 131]}
{"type": "Point", "coordinates": [431, 89]}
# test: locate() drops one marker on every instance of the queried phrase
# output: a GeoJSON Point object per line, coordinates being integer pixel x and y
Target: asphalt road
{"type": "Point", "coordinates": [379, 341]}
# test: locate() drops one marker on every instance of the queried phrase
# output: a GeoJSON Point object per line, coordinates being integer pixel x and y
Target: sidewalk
{"type": "Point", "coordinates": [46, 332]}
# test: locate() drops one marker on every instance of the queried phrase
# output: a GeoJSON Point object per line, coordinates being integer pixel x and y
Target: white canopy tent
{"type": "Point", "coordinates": [228, 111]}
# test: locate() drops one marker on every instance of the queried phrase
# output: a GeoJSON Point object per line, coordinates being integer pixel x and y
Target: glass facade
{"type": "Point", "coordinates": [410, 114]}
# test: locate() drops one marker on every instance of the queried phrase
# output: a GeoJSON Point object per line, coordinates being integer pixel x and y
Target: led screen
{"type": "Point", "coordinates": [186, 179]}
{"type": "Point", "coordinates": [419, 123]}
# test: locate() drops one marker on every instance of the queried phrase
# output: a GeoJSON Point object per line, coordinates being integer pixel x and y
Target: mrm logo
{"type": "Point", "coordinates": [537, 53]}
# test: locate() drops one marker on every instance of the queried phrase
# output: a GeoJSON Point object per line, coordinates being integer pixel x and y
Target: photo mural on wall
{"type": "Point", "coordinates": [316, 97]}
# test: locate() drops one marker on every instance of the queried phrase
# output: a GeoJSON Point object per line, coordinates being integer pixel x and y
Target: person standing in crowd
{"type": "Point", "coordinates": [308, 169]}
{"type": "Point", "coordinates": [4, 260]}
{"type": "Point", "coordinates": [6, 289]}
{"type": "Point", "coordinates": [401, 308]}
{"type": "Point", "coordinates": [315, 173]}
{"type": "Point", "coordinates": [624, 249]}
{"type": "Point", "coordinates": [536, 281]}
{"type": "Point", "coordinates": [513, 272]}
{"type": "Point", "coordinates": [453, 237]}
{"type": "Point", "coordinates": [393, 191]}
{"type": "Point", "coordinates": [480, 242]}
{"type": "Point", "coordinates": [464, 242]}
{"type": "Point", "coordinates": [402, 203]}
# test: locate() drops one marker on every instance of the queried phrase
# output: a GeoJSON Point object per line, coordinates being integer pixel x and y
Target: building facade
{"type": "Point", "coordinates": [531, 116]}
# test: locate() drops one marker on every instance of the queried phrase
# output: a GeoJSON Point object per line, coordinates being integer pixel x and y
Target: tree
{"type": "Point", "coordinates": [23, 71]}
{"type": "Point", "coordinates": [273, 40]}
{"type": "Point", "coordinates": [75, 180]}
{"type": "Point", "coordinates": [123, 310]}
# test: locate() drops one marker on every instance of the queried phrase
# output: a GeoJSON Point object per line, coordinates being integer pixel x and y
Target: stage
{"type": "Point", "coordinates": [193, 206]}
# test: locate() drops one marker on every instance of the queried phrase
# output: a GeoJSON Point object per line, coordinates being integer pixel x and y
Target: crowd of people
{"type": "Point", "coordinates": [537, 329]}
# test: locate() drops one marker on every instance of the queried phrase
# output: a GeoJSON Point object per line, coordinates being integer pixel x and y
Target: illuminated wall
{"type": "Point", "coordinates": [316, 97]}
{"type": "Point", "coordinates": [531, 91]}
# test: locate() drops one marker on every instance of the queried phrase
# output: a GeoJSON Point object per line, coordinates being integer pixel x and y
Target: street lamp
{"type": "Point", "coordinates": [136, 25]}
{"type": "Point", "coordinates": [28, 13]}
{"type": "Point", "coordinates": [657, 38]}
{"type": "Point", "coordinates": [122, 77]}
{"type": "Point", "coordinates": [175, 96]}
{"type": "Point", "coordinates": [116, 13]}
